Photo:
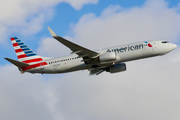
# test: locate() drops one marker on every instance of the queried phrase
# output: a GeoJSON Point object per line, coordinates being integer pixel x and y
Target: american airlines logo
{"type": "Point", "coordinates": [148, 44]}
{"type": "Point", "coordinates": [129, 48]}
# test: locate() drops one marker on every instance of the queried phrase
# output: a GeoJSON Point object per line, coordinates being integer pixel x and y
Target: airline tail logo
{"type": "Point", "coordinates": [148, 44]}
{"type": "Point", "coordinates": [26, 55]}
{"type": "Point", "coordinates": [21, 49]}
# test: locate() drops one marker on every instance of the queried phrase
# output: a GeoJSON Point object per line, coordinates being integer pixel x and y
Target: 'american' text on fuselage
{"type": "Point", "coordinates": [128, 48]}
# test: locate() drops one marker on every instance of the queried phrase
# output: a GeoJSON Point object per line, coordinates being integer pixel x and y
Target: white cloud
{"type": "Point", "coordinates": [149, 89]}
{"type": "Point", "coordinates": [151, 22]}
{"type": "Point", "coordinates": [21, 96]}
{"type": "Point", "coordinates": [27, 17]}
{"type": "Point", "coordinates": [50, 47]}
{"type": "Point", "coordinates": [146, 90]}
{"type": "Point", "coordinates": [77, 4]}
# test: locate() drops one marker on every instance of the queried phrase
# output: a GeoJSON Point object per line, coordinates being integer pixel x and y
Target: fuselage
{"type": "Point", "coordinates": [123, 53]}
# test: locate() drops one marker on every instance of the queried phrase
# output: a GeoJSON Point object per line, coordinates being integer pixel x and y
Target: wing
{"type": "Point", "coordinates": [76, 49]}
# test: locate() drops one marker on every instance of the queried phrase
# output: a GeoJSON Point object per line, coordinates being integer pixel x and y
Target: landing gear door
{"type": "Point", "coordinates": [154, 47]}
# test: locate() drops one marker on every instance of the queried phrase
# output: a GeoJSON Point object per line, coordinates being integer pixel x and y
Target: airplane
{"type": "Point", "coordinates": [110, 59]}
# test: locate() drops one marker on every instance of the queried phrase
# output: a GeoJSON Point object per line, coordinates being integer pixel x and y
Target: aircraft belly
{"type": "Point", "coordinates": [34, 70]}
{"type": "Point", "coordinates": [49, 69]}
{"type": "Point", "coordinates": [69, 66]}
{"type": "Point", "coordinates": [46, 69]}
{"type": "Point", "coordinates": [131, 55]}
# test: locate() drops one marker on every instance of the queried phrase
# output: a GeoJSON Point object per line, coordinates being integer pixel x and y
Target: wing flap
{"type": "Point", "coordinates": [95, 71]}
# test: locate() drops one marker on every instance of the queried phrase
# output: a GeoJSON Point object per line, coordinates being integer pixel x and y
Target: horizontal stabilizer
{"type": "Point", "coordinates": [17, 63]}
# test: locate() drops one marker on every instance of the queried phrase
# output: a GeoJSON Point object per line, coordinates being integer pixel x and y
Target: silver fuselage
{"type": "Point", "coordinates": [124, 53]}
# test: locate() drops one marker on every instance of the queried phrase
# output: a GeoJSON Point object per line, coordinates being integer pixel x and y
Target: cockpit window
{"type": "Point", "coordinates": [165, 42]}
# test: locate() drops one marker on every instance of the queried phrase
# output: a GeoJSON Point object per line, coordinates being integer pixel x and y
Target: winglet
{"type": "Point", "coordinates": [53, 34]}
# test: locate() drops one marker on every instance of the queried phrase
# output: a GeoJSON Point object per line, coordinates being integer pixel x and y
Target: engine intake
{"type": "Point", "coordinates": [117, 68]}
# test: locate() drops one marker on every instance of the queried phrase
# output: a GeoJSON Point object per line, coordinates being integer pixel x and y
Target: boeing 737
{"type": "Point", "coordinates": [108, 59]}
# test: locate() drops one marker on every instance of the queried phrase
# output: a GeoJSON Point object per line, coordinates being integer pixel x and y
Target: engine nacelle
{"type": "Point", "coordinates": [107, 57]}
{"type": "Point", "coordinates": [117, 68]}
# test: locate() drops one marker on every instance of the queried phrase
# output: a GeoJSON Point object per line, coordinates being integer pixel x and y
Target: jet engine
{"type": "Point", "coordinates": [117, 68]}
{"type": "Point", "coordinates": [108, 57]}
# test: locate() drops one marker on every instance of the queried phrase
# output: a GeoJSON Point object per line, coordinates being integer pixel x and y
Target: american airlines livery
{"type": "Point", "coordinates": [109, 59]}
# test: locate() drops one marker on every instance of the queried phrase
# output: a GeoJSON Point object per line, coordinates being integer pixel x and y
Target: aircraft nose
{"type": "Point", "coordinates": [173, 46]}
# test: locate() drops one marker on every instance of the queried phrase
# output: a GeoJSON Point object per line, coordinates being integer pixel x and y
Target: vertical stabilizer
{"type": "Point", "coordinates": [24, 53]}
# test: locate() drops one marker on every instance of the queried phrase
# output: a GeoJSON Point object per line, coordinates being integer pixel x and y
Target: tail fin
{"type": "Point", "coordinates": [24, 53]}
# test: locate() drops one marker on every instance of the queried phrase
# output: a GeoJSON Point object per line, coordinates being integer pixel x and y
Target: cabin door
{"type": "Point", "coordinates": [42, 65]}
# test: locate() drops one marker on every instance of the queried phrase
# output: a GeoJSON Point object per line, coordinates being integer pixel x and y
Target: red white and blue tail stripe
{"type": "Point", "coordinates": [25, 54]}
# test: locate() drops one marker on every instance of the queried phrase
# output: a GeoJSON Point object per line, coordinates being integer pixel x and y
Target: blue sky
{"type": "Point", "coordinates": [148, 90]}
{"type": "Point", "coordinates": [64, 16]}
